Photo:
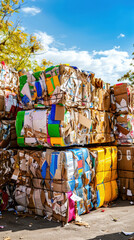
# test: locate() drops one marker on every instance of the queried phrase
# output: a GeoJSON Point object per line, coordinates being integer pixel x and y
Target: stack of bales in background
{"type": "Point", "coordinates": [8, 106]}
{"type": "Point", "coordinates": [124, 134]}
{"type": "Point", "coordinates": [8, 139]}
{"type": "Point", "coordinates": [8, 110]}
{"type": "Point", "coordinates": [8, 92]}
{"type": "Point", "coordinates": [124, 109]}
{"type": "Point", "coordinates": [126, 172]}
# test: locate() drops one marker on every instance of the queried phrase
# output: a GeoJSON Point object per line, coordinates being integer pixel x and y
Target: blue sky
{"type": "Point", "coordinates": [89, 34]}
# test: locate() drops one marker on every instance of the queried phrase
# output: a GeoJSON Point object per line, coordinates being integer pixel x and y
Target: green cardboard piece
{"type": "Point", "coordinates": [19, 122]}
{"type": "Point", "coordinates": [37, 75]}
{"type": "Point", "coordinates": [53, 130]}
{"type": "Point", "coordinates": [20, 141]}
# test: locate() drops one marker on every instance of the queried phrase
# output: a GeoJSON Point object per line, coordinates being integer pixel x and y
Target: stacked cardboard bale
{"type": "Point", "coordinates": [78, 108]}
{"type": "Point", "coordinates": [64, 84]}
{"type": "Point", "coordinates": [63, 127]}
{"type": "Point", "coordinates": [8, 92]}
{"type": "Point", "coordinates": [55, 184]}
{"type": "Point", "coordinates": [126, 172]}
{"type": "Point", "coordinates": [124, 109]}
{"type": "Point", "coordinates": [124, 133]}
{"type": "Point", "coordinates": [8, 108]}
{"type": "Point", "coordinates": [62, 106]}
{"type": "Point", "coordinates": [63, 184]}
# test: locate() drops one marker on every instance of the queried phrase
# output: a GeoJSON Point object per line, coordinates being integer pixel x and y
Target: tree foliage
{"type": "Point", "coordinates": [129, 76]}
{"type": "Point", "coordinates": [17, 48]}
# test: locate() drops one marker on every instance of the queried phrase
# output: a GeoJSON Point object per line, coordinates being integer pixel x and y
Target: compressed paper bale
{"type": "Point", "coordinates": [126, 158]}
{"type": "Point", "coordinates": [124, 98]}
{"type": "Point", "coordinates": [8, 78]}
{"type": "Point", "coordinates": [64, 84]}
{"type": "Point", "coordinates": [32, 179]}
{"type": "Point", "coordinates": [39, 128]}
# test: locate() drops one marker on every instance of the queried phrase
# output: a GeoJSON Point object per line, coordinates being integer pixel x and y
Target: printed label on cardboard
{"type": "Point", "coordinates": [128, 155]}
{"type": "Point", "coordinates": [129, 193]}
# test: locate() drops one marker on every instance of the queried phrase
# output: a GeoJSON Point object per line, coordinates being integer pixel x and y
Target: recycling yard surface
{"type": "Point", "coordinates": [102, 224]}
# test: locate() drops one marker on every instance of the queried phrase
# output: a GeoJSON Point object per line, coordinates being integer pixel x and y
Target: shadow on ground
{"type": "Point", "coordinates": [113, 236]}
{"type": "Point", "coordinates": [17, 223]}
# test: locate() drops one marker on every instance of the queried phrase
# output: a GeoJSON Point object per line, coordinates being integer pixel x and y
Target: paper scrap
{"type": "Point", "coordinates": [74, 197]}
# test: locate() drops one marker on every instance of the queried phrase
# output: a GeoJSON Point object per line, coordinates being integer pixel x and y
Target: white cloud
{"type": "Point", "coordinates": [121, 35]}
{"type": "Point", "coordinates": [116, 47]}
{"type": "Point", "coordinates": [109, 64]}
{"type": "Point", "coordinates": [31, 10]}
{"type": "Point", "coordinates": [45, 39]}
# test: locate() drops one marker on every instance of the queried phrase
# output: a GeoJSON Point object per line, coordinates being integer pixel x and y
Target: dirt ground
{"type": "Point", "coordinates": [102, 226]}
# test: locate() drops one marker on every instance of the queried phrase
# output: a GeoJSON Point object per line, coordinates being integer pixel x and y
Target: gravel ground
{"type": "Point", "coordinates": [101, 225]}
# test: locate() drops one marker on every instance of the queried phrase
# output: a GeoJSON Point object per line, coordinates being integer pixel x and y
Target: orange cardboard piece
{"type": "Point", "coordinates": [59, 113]}
{"type": "Point", "coordinates": [84, 121]}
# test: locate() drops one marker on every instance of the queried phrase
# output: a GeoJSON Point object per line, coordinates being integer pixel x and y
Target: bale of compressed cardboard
{"type": "Point", "coordinates": [64, 84]}
{"type": "Point", "coordinates": [126, 158]}
{"type": "Point", "coordinates": [9, 78]}
{"type": "Point", "coordinates": [54, 184]}
{"type": "Point", "coordinates": [126, 185]}
{"type": "Point", "coordinates": [126, 172]}
{"type": "Point", "coordinates": [60, 126]}
{"type": "Point", "coordinates": [8, 92]}
{"type": "Point", "coordinates": [124, 98]}
{"type": "Point", "coordinates": [124, 129]}
{"type": "Point", "coordinates": [76, 177]}
{"type": "Point", "coordinates": [9, 104]}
